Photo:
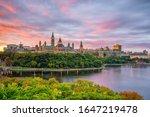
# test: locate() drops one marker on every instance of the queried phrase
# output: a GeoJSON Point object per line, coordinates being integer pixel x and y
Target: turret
{"type": "Point", "coordinates": [59, 42]}
{"type": "Point", "coordinates": [21, 45]}
{"type": "Point", "coordinates": [72, 45]}
{"type": "Point", "coordinates": [45, 43]}
{"type": "Point", "coordinates": [68, 44]}
{"type": "Point", "coordinates": [60, 45]}
{"type": "Point", "coordinates": [40, 43]}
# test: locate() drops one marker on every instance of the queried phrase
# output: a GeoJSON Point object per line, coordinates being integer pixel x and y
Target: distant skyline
{"type": "Point", "coordinates": [97, 23]}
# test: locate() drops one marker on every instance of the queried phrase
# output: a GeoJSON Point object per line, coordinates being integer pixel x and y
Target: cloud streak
{"type": "Point", "coordinates": [7, 7]}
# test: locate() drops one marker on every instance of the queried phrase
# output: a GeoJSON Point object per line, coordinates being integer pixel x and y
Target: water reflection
{"type": "Point", "coordinates": [119, 78]}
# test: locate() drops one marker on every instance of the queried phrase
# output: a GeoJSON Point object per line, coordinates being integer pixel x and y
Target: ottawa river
{"type": "Point", "coordinates": [118, 78]}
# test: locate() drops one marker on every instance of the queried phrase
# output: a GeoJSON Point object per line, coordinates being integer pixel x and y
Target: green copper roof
{"type": "Point", "coordinates": [67, 48]}
{"type": "Point", "coordinates": [50, 47]}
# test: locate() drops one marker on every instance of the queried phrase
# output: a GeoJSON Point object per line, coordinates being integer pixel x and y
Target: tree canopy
{"type": "Point", "coordinates": [51, 60]}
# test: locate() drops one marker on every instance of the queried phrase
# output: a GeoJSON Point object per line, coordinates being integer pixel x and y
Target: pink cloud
{"type": "Point", "coordinates": [14, 26]}
{"type": "Point", "coordinates": [1, 14]}
{"type": "Point", "coordinates": [66, 5]}
{"type": "Point", "coordinates": [7, 7]}
{"type": "Point", "coordinates": [46, 13]}
{"type": "Point", "coordinates": [102, 26]}
{"type": "Point", "coordinates": [90, 43]}
{"type": "Point", "coordinates": [19, 32]}
{"type": "Point", "coordinates": [99, 43]}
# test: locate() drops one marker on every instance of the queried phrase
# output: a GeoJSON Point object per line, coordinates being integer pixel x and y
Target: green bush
{"type": "Point", "coordinates": [40, 89]}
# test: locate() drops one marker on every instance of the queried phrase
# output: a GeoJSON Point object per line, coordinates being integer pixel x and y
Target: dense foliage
{"type": "Point", "coordinates": [116, 60]}
{"type": "Point", "coordinates": [40, 89]}
{"type": "Point", "coordinates": [60, 60]}
{"type": "Point", "coordinates": [50, 60]}
{"type": "Point", "coordinates": [123, 60]}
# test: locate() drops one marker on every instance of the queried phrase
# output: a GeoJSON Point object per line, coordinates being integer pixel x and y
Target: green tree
{"type": "Point", "coordinates": [33, 63]}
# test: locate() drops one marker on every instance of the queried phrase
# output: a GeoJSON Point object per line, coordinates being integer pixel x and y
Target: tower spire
{"type": "Point", "coordinates": [81, 47]}
{"type": "Point", "coordinates": [52, 34]}
{"type": "Point", "coordinates": [72, 45]}
{"type": "Point", "coordinates": [52, 40]}
{"type": "Point", "coordinates": [60, 39]}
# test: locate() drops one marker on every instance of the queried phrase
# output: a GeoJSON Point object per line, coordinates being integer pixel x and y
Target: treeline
{"type": "Point", "coordinates": [123, 60]}
{"type": "Point", "coordinates": [60, 60]}
{"type": "Point", "coordinates": [116, 60]}
{"type": "Point", "coordinates": [40, 89]}
{"type": "Point", "coordinates": [51, 60]}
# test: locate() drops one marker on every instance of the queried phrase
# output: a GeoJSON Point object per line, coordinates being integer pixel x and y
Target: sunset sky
{"type": "Point", "coordinates": [97, 23]}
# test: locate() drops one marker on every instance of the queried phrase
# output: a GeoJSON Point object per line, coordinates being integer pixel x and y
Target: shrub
{"type": "Point", "coordinates": [127, 95]}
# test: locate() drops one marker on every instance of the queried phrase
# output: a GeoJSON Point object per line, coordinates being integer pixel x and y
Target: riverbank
{"type": "Point", "coordinates": [126, 64]}
{"type": "Point", "coordinates": [24, 69]}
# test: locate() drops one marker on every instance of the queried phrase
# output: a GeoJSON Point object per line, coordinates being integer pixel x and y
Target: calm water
{"type": "Point", "coordinates": [118, 78]}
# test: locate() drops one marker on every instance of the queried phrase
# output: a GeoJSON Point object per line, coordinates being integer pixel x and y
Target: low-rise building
{"type": "Point", "coordinates": [143, 54]}
{"type": "Point", "coordinates": [17, 48]}
{"type": "Point", "coordinates": [106, 51]}
{"type": "Point", "coordinates": [138, 55]}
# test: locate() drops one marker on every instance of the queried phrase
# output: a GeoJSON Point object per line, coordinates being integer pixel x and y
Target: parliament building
{"type": "Point", "coordinates": [52, 48]}
{"type": "Point", "coordinates": [58, 48]}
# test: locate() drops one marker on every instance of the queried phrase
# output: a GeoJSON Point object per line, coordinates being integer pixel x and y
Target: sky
{"type": "Point", "coordinates": [97, 23]}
